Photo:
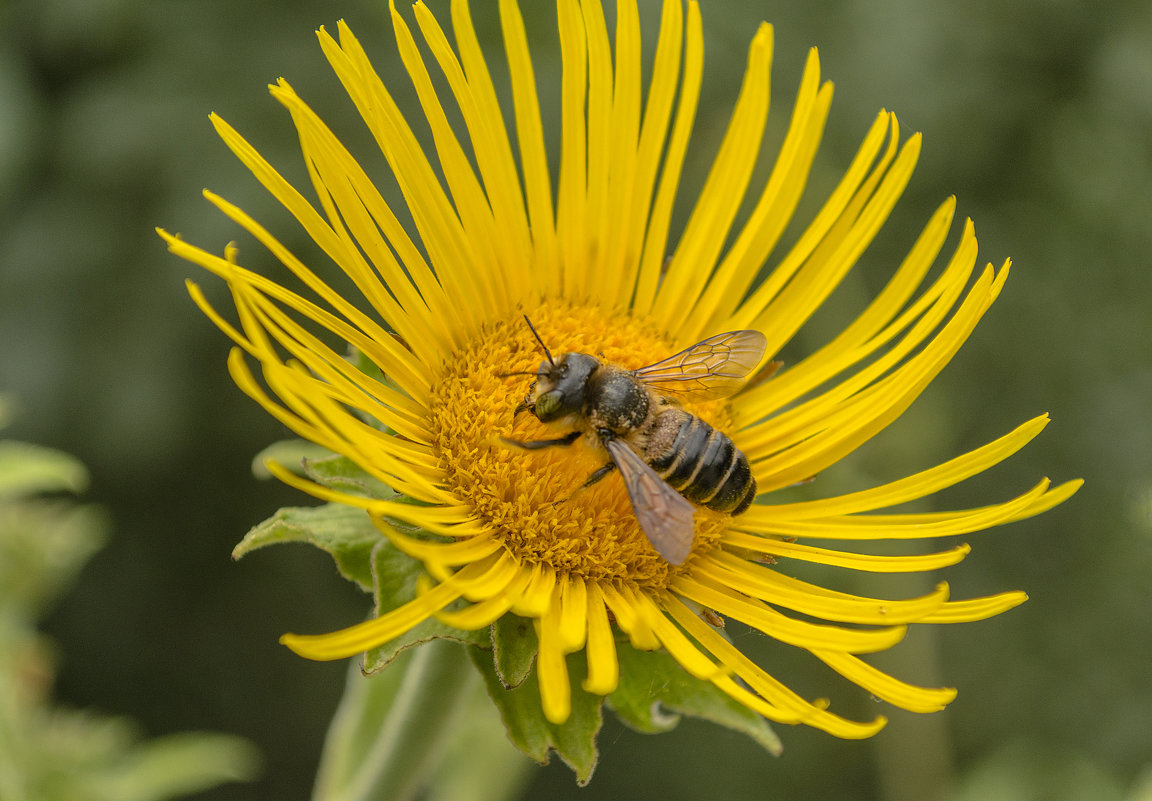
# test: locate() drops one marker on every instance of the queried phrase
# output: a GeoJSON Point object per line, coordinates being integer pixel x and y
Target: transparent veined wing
{"type": "Point", "coordinates": [713, 368]}
{"type": "Point", "coordinates": [664, 515]}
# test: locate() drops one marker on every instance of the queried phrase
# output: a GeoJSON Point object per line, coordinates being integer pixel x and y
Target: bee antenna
{"type": "Point", "coordinates": [547, 352]}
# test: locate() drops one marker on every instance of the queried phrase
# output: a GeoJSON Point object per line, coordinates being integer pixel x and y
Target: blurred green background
{"type": "Point", "coordinates": [1038, 115]}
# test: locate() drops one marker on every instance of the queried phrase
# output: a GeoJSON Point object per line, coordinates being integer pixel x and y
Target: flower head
{"type": "Point", "coordinates": [501, 530]}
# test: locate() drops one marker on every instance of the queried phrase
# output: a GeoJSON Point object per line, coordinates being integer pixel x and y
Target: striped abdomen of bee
{"type": "Point", "coordinates": [699, 461]}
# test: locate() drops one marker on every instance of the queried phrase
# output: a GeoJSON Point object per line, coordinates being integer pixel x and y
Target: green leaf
{"type": "Point", "coordinates": [395, 577]}
{"type": "Point", "coordinates": [326, 468]}
{"type": "Point", "coordinates": [352, 732]}
{"type": "Point", "coordinates": [43, 545]}
{"type": "Point", "coordinates": [365, 365]}
{"type": "Point", "coordinates": [652, 684]}
{"type": "Point", "coordinates": [177, 765]}
{"type": "Point", "coordinates": [514, 649]}
{"type": "Point", "coordinates": [290, 453]}
{"type": "Point", "coordinates": [26, 469]}
{"type": "Point", "coordinates": [574, 741]}
{"type": "Point", "coordinates": [345, 532]}
{"type": "Point", "coordinates": [344, 475]}
{"type": "Point", "coordinates": [479, 763]}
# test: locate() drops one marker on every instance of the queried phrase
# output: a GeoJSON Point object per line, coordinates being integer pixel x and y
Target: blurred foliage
{"type": "Point", "coordinates": [50, 753]}
{"type": "Point", "coordinates": [1036, 114]}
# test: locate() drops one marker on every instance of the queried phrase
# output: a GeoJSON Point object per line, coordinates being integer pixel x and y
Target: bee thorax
{"type": "Point", "coordinates": [616, 400]}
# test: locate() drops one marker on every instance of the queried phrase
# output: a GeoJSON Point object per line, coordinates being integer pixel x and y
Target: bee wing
{"type": "Point", "coordinates": [713, 368]}
{"type": "Point", "coordinates": [665, 516]}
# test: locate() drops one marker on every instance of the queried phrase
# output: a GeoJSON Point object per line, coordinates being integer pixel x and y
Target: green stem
{"type": "Point", "coordinates": [390, 729]}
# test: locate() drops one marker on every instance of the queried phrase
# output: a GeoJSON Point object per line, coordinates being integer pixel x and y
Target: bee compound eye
{"type": "Point", "coordinates": [547, 404]}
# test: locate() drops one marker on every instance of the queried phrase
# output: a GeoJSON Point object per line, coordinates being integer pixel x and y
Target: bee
{"type": "Point", "coordinates": [669, 458]}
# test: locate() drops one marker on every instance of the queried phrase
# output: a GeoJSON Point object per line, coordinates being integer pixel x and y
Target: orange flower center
{"type": "Point", "coordinates": [533, 499]}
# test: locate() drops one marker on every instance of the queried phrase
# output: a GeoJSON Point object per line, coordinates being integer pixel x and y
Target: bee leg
{"type": "Point", "coordinates": [537, 444]}
{"type": "Point", "coordinates": [597, 474]}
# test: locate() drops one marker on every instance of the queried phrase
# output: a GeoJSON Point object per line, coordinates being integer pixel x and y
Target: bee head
{"type": "Point", "coordinates": [560, 385]}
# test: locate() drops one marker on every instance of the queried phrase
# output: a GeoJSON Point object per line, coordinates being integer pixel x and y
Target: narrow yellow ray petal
{"type": "Point", "coordinates": [603, 666]}
{"type": "Point", "coordinates": [357, 214]}
{"type": "Point", "coordinates": [754, 702]}
{"type": "Point", "coordinates": [469, 198]}
{"type": "Point", "coordinates": [616, 223]}
{"type": "Point", "coordinates": [653, 132]}
{"type": "Point", "coordinates": [382, 464]}
{"type": "Point", "coordinates": [364, 636]}
{"type": "Point", "coordinates": [656, 238]}
{"type": "Point", "coordinates": [488, 611]}
{"type": "Point", "coordinates": [791, 309]}
{"type": "Point", "coordinates": [629, 619]}
{"type": "Point", "coordinates": [976, 608]}
{"type": "Point", "coordinates": [436, 222]}
{"type": "Point", "coordinates": [861, 528]}
{"type": "Point", "coordinates": [459, 552]}
{"type": "Point", "coordinates": [707, 227]}
{"type": "Point", "coordinates": [533, 153]}
{"type": "Point", "coordinates": [247, 383]}
{"type": "Point", "coordinates": [828, 216]}
{"type": "Point", "coordinates": [552, 669]}
{"type": "Point", "coordinates": [380, 346]}
{"type": "Point", "coordinates": [375, 226]}
{"type": "Point", "coordinates": [571, 207]}
{"type": "Point", "coordinates": [499, 569]}
{"type": "Point", "coordinates": [871, 410]}
{"type": "Point", "coordinates": [216, 319]}
{"type": "Point", "coordinates": [906, 489]}
{"type": "Point", "coordinates": [450, 521]}
{"type": "Point", "coordinates": [864, 336]}
{"type": "Point", "coordinates": [493, 149]}
{"type": "Point", "coordinates": [757, 581]}
{"type": "Point", "coordinates": [1053, 497]}
{"type": "Point", "coordinates": [537, 597]}
{"type": "Point", "coordinates": [476, 98]}
{"type": "Point", "coordinates": [731, 603]}
{"type": "Point", "coordinates": [362, 390]}
{"type": "Point", "coordinates": [774, 209]}
{"type": "Point", "coordinates": [796, 423]}
{"type": "Point", "coordinates": [912, 563]}
{"type": "Point", "coordinates": [476, 616]}
{"type": "Point", "coordinates": [360, 330]}
{"type": "Point", "coordinates": [344, 433]}
{"type": "Point", "coordinates": [572, 600]}
{"type": "Point", "coordinates": [598, 120]}
{"type": "Point", "coordinates": [885, 687]}
{"type": "Point", "coordinates": [673, 640]}
{"type": "Point", "coordinates": [795, 709]}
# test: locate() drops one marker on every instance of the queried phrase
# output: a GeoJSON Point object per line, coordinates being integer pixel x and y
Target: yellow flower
{"type": "Point", "coordinates": [501, 530]}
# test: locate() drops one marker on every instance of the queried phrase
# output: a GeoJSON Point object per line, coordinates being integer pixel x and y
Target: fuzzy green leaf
{"type": "Point", "coordinates": [365, 365]}
{"type": "Point", "coordinates": [177, 765]}
{"type": "Point", "coordinates": [343, 475]}
{"type": "Point", "coordinates": [514, 649]}
{"type": "Point", "coordinates": [26, 469]}
{"type": "Point", "coordinates": [395, 576]}
{"type": "Point", "coordinates": [653, 684]}
{"type": "Point", "coordinates": [326, 468]}
{"type": "Point", "coordinates": [290, 453]}
{"type": "Point", "coordinates": [574, 741]}
{"type": "Point", "coordinates": [479, 763]}
{"type": "Point", "coordinates": [343, 531]}
{"type": "Point", "coordinates": [43, 545]}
